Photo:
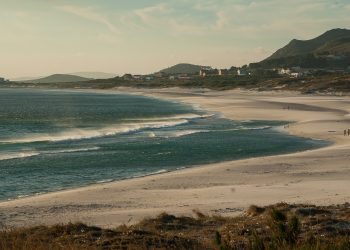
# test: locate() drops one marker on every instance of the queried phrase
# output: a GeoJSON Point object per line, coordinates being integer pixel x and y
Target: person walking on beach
{"type": "Point", "coordinates": [348, 132]}
{"type": "Point", "coordinates": [344, 132]}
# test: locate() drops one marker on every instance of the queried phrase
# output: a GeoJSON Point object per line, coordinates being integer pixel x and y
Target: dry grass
{"type": "Point", "coordinates": [281, 226]}
{"type": "Point", "coordinates": [332, 83]}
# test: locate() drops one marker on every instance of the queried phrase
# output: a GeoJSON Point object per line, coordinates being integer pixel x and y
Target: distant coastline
{"type": "Point", "coordinates": [315, 66]}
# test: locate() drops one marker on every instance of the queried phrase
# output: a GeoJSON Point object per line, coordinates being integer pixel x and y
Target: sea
{"type": "Point", "coordinates": [53, 140]}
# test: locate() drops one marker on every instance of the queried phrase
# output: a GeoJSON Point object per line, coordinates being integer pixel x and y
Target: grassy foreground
{"type": "Point", "coordinates": [281, 226]}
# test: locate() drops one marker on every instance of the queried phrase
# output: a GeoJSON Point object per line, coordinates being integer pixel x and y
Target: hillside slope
{"type": "Point", "coordinates": [335, 47]}
{"type": "Point", "coordinates": [183, 68]}
{"type": "Point", "coordinates": [59, 78]}
{"type": "Point", "coordinates": [331, 50]}
{"type": "Point", "coordinates": [331, 41]}
{"type": "Point", "coordinates": [94, 75]}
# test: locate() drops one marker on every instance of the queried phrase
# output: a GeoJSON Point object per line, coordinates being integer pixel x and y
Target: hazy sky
{"type": "Point", "coordinates": [40, 37]}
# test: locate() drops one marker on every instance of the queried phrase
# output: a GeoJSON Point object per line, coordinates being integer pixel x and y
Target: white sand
{"type": "Point", "coordinates": [318, 177]}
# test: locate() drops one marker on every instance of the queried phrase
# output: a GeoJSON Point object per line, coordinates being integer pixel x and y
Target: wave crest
{"type": "Point", "coordinates": [18, 155]}
{"type": "Point", "coordinates": [10, 156]}
{"type": "Point", "coordinates": [79, 134]}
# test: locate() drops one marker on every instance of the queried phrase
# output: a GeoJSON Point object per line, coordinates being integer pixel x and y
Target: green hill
{"type": "Point", "coordinates": [183, 68]}
{"type": "Point", "coordinates": [339, 46]}
{"type": "Point", "coordinates": [94, 75]}
{"type": "Point", "coordinates": [59, 78]}
{"type": "Point", "coordinates": [327, 42]}
{"type": "Point", "coordinates": [330, 50]}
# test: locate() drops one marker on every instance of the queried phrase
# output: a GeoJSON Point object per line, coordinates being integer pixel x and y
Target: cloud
{"type": "Point", "coordinates": [205, 6]}
{"type": "Point", "coordinates": [148, 13]}
{"type": "Point", "coordinates": [238, 19]}
{"type": "Point", "coordinates": [186, 28]}
{"type": "Point", "coordinates": [222, 19]}
{"type": "Point", "coordinates": [312, 7]}
{"type": "Point", "coordinates": [89, 14]}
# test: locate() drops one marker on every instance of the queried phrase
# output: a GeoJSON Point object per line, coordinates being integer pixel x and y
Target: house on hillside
{"type": "Point", "coordinates": [3, 80]}
{"type": "Point", "coordinates": [284, 71]}
{"type": "Point", "coordinates": [242, 72]}
{"type": "Point", "coordinates": [222, 72]}
{"type": "Point", "coordinates": [137, 77]}
{"type": "Point", "coordinates": [293, 72]}
{"type": "Point", "coordinates": [208, 72]}
{"type": "Point", "coordinates": [203, 73]}
{"type": "Point", "coordinates": [296, 74]}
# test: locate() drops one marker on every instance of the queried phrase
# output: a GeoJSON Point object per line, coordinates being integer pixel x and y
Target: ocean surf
{"type": "Point", "coordinates": [52, 140]}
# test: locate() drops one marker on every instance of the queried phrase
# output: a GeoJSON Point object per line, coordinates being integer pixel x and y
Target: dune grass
{"type": "Point", "coordinates": [280, 226]}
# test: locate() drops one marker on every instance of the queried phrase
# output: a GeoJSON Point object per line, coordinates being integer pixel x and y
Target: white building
{"type": "Point", "coordinates": [137, 77]}
{"type": "Point", "coordinates": [284, 71]}
{"type": "Point", "coordinates": [296, 74]}
{"type": "Point", "coordinates": [202, 73]}
{"type": "Point", "coordinates": [205, 71]}
{"type": "Point", "coordinates": [242, 72]}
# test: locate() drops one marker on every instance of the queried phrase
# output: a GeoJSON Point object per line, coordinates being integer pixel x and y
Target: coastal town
{"type": "Point", "coordinates": [3, 80]}
{"type": "Point", "coordinates": [292, 72]}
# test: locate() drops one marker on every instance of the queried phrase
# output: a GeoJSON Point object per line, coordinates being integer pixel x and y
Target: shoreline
{"type": "Point", "coordinates": [102, 210]}
{"type": "Point", "coordinates": [162, 171]}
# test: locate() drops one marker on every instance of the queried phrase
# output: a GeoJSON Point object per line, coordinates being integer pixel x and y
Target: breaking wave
{"type": "Point", "coordinates": [10, 156]}
{"type": "Point", "coordinates": [18, 155]}
{"type": "Point", "coordinates": [80, 134]}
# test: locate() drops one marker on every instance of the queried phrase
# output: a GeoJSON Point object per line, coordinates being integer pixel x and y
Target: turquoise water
{"type": "Point", "coordinates": [52, 140]}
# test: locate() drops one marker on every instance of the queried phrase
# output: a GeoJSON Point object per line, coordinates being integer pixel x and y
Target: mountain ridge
{"type": "Point", "coordinates": [183, 68]}
{"type": "Point", "coordinates": [330, 50]}
{"type": "Point", "coordinates": [94, 74]}
{"type": "Point", "coordinates": [302, 47]}
{"type": "Point", "coordinates": [59, 78]}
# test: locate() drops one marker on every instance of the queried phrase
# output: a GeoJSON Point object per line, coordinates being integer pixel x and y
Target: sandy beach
{"type": "Point", "coordinates": [319, 177]}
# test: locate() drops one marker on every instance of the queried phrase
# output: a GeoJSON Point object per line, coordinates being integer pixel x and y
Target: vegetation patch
{"type": "Point", "coordinates": [280, 226]}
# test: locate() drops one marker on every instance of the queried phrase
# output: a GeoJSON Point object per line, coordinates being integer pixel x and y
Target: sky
{"type": "Point", "coordinates": [42, 37]}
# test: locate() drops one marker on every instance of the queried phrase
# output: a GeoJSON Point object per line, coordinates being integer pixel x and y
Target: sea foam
{"type": "Point", "coordinates": [136, 125]}
{"type": "Point", "coordinates": [18, 155]}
